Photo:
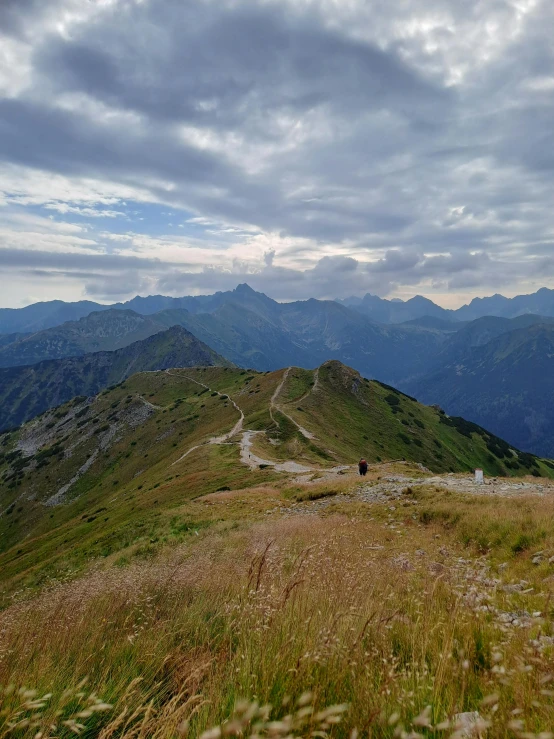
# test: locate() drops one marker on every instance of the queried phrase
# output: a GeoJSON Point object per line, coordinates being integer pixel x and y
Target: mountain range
{"type": "Point", "coordinates": [247, 328]}
{"type": "Point", "coordinates": [26, 392]}
{"type": "Point", "coordinates": [437, 356]}
{"type": "Point", "coordinates": [39, 316]}
{"type": "Point", "coordinates": [399, 311]}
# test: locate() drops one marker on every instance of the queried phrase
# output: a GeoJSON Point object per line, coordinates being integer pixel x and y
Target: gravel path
{"type": "Point", "coordinates": [246, 455]}
{"type": "Point", "coordinates": [391, 489]}
{"type": "Point", "coordinates": [252, 460]}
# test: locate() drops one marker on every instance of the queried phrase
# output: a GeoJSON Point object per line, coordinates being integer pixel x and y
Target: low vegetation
{"type": "Point", "coordinates": [364, 607]}
{"type": "Point", "coordinates": [174, 590]}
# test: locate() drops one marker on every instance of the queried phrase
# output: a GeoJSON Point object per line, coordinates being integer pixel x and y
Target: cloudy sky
{"type": "Point", "coordinates": [308, 147]}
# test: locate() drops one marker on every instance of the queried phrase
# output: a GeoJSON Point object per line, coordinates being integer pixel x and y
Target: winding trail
{"type": "Point", "coordinates": [273, 405]}
{"type": "Point", "coordinates": [247, 457]}
{"type": "Point", "coordinates": [237, 428]}
{"type": "Point", "coordinates": [313, 388]}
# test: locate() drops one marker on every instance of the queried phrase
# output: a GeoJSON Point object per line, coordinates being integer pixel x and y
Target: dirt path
{"type": "Point", "coordinates": [273, 405]}
{"type": "Point", "coordinates": [313, 388]}
{"type": "Point", "coordinates": [237, 428]}
{"type": "Point", "coordinates": [247, 457]}
{"type": "Point", "coordinates": [252, 460]}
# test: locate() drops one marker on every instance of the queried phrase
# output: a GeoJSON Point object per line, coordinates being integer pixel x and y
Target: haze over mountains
{"type": "Point", "coordinates": [398, 311]}
{"type": "Point", "coordinates": [492, 369]}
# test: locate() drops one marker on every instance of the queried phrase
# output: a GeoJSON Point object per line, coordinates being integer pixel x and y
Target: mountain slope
{"type": "Point", "coordinates": [506, 384]}
{"type": "Point", "coordinates": [28, 391]}
{"type": "Point", "coordinates": [99, 331]}
{"type": "Point", "coordinates": [39, 316]}
{"type": "Point", "coordinates": [160, 437]}
{"type": "Point", "coordinates": [6, 339]}
{"type": "Point", "coordinates": [479, 333]}
{"type": "Point", "coordinates": [435, 324]}
{"type": "Point", "coordinates": [397, 311]}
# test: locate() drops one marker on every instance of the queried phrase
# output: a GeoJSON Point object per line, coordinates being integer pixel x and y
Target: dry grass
{"type": "Point", "coordinates": [365, 608]}
{"type": "Point", "coordinates": [263, 491]}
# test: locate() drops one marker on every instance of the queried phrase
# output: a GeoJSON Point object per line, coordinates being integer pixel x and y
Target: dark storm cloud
{"type": "Point", "coordinates": [229, 69]}
{"type": "Point", "coordinates": [36, 135]}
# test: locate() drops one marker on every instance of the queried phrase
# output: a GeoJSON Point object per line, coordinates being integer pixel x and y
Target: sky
{"type": "Point", "coordinates": [311, 148]}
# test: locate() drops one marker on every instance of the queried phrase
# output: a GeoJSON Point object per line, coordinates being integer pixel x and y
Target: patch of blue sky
{"type": "Point", "coordinates": [121, 218]}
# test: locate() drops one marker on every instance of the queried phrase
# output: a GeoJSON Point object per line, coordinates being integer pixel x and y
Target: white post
{"type": "Point", "coordinates": [479, 479]}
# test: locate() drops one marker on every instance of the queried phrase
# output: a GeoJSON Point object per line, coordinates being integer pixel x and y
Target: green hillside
{"type": "Point", "coordinates": [100, 475]}
{"type": "Point", "coordinates": [27, 391]}
{"type": "Point", "coordinates": [357, 417]}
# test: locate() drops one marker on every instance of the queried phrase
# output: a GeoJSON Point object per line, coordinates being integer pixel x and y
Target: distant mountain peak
{"type": "Point", "coordinates": [245, 289]}
{"type": "Point", "coordinates": [418, 300]}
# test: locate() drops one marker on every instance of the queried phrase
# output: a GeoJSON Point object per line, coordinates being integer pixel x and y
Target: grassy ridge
{"type": "Point", "coordinates": [355, 417]}
{"type": "Point", "coordinates": [127, 442]}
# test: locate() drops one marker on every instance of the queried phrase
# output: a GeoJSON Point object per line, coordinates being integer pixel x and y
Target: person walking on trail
{"type": "Point", "coordinates": [362, 466]}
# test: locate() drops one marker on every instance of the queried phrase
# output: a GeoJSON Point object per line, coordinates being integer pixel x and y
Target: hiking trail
{"type": "Point", "coordinates": [273, 405]}
{"type": "Point", "coordinates": [214, 439]}
{"type": "Point", "coordinates": [247, 457]}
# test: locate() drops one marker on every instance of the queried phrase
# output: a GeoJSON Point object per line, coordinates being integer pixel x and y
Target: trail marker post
{"type": "Point", "coordinates": [479, 478]}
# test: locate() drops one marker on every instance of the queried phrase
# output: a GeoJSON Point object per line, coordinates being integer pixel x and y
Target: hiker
{"type": "Point", "coordinates": [362, 466]}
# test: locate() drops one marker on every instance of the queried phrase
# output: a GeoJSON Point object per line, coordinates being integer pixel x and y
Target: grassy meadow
{"type": "Point", "coordinates": [167, 596]}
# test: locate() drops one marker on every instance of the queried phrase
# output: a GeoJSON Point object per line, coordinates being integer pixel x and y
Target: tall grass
{"type": "Point", "coordinates": [372, 612]}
